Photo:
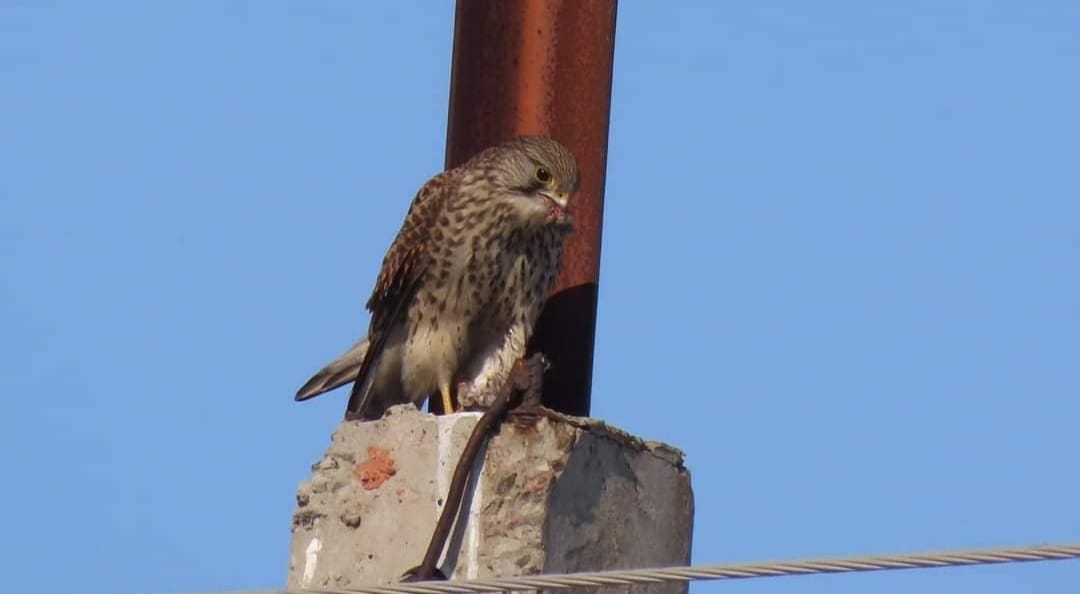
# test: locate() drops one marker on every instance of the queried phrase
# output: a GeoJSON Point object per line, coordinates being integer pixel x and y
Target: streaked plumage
{"type": "Point", "coordinates": [464, 281]}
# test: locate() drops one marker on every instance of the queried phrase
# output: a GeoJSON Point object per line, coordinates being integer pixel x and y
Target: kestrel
{"type": "Point", "coordinates": [463, 282]}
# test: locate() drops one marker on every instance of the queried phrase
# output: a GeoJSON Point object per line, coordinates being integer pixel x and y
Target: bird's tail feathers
{"type": "Point", "coordinates": [379, 380]}
{"type": "Point", "coordinates": [338, 372]}
{"type": "Point", "coordinates": [359, 404]}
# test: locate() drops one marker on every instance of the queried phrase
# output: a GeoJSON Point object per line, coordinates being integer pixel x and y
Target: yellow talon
{"type": "Point", "coordinates": [447, 403]}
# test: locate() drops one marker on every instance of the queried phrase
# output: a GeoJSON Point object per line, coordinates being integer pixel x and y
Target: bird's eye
{"type": "Point", "coordinates": [543, 175]}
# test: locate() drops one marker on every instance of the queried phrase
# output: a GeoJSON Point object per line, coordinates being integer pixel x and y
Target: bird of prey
{"type": "Point", "coordinates": [463, 282]}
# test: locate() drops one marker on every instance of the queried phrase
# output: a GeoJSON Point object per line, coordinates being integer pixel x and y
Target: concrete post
{"type": "Point", "coordinates": [553, 496]}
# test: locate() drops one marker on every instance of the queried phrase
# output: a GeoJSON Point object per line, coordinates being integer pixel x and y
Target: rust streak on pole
{"type": "Point", "coordinates": [544, 67]}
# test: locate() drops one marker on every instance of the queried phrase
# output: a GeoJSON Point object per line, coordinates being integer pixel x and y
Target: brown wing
{"type": "Point", "coordinates": [402, 269]}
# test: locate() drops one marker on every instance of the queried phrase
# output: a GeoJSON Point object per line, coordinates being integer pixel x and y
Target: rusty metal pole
{"type": "Point", "coordinates": [544, 67]}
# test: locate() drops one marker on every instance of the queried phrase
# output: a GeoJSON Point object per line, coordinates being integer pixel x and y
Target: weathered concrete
{"type": "Point", "coordinates": [554, 496]}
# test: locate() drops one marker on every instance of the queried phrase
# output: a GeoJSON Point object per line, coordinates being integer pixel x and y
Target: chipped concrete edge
{"type": "Point", "coordinates": [665, 452]}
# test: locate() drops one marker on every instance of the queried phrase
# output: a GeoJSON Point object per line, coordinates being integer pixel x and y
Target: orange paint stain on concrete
{"type": "Point", "coordinates": [376, 470]}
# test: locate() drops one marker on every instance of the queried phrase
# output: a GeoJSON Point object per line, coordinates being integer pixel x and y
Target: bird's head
{"type": "Point", "coordinates": [536, 177]}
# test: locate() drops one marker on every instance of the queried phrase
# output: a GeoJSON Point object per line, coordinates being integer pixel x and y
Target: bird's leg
{"type": "Point", "coordinates": [447, 401]}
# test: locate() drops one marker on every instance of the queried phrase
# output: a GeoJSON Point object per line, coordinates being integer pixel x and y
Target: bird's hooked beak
{"type": "Point", "coordinates": [561, 199]}
{"type": "Point", "coordinates": [557, 202]}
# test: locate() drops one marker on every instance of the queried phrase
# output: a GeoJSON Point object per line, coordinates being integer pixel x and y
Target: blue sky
{"type": "Point", "coordinates": [840, 270]}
